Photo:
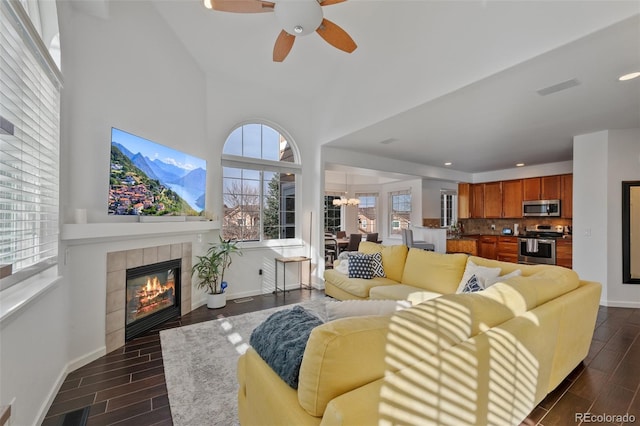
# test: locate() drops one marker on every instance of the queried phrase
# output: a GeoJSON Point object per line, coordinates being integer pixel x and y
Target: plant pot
{"type": "Point", "coordinates": [215, 301]}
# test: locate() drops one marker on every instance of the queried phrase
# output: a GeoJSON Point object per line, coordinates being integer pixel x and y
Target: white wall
{"type": "Point", "coordinates": [431, 196]}
{"type": "Point", "coordinates": [601, 161]}
{"type": "Point", "coordinates": [119, 73]}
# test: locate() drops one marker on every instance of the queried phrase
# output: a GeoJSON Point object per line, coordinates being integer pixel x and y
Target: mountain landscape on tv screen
{"type": "Point", "coordinates": [139, 185]}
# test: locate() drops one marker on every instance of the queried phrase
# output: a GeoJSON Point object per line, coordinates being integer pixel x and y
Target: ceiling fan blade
{"type": "Point", "coordinates": [336, 36]}
{"type": "Point", "coordinates": [283, 46]}
{"type": "Point", "coordinates": [239, 6]}
{"type": "Point", "coordinates": [330, 2]}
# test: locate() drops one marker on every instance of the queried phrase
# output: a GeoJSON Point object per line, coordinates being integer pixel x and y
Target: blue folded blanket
{"type": "Point", "coordinates": [281, 339]}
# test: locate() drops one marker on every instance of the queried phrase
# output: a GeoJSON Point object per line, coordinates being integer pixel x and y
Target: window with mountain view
{"type": "Point", "coordinates": [259, 184]}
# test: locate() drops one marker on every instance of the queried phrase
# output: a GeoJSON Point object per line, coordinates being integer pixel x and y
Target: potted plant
{"type": "Point", "coordinates": [210, 270]}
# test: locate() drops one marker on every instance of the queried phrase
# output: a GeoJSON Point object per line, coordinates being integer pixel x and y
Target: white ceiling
{"type": "Point", "coordinates": [445, 80]}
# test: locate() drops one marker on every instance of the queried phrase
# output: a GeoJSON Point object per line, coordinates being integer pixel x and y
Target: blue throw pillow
{"type": "Point", "coordinates": [360, 266]}
{"type": "Point", "coordinates": [281, 340]}
{"type": "Point", "coordinates": [472, 285]}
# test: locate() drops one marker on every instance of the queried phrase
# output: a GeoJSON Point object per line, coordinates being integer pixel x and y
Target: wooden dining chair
{"type": "Point", "coordinates": [330, 251]}
{"type": "Point", "coordinates": [341, 234]}
{"type": "Point", "coordinates": [373, 237]}
{"type": "Point", "coordinates": [354, 242]}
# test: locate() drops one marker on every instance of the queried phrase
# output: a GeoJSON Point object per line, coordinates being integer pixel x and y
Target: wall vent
{"type": "Point", "coordinates": [558, 87]}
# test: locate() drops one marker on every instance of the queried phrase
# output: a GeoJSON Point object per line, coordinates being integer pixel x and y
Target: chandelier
{"type": "Point", "coordinates": [344, 201]}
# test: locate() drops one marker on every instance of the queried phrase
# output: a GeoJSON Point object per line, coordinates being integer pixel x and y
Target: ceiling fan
{"type": "Point", "coordinates": [297, 17]}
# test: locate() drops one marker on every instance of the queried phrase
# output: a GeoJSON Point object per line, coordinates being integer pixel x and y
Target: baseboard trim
{"type": "Point", "coordinates": [68, 368]}
{"type": "Point", "coordinates": [620, 304]}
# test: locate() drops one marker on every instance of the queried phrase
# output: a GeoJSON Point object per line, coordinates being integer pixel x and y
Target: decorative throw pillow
{"type": "Point", "coordinates": [281, 340]}
{"type": "Point", "coordinates": [354, 308]}
{"type": "Point", "coordinates": [360, 266]}
{"type": "Point", "coordinates": [482, 274]}
{"type": "Point", "coordinates": [489, 282]}
{"type": "Point", "coordinates": [472, 285]}
{"type": "Point", "coordinates": [376, 265]}
{"type": "Point", "coordinates": [343, 266]}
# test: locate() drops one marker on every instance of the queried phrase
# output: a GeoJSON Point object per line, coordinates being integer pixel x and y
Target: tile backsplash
{"type": "Point", "coordinates": [483, 226]}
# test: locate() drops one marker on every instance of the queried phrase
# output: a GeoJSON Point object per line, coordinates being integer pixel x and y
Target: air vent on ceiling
{"type": "Point", "coordinates": [558, 87]}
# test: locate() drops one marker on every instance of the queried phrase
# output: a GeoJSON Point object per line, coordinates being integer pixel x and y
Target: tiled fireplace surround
{"type": "Point", "coordinates": [117, 264]}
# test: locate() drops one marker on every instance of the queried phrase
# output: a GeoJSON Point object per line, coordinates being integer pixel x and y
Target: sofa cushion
{"type": "Point", "coordinates": [336, 359]}
{"type": "Point", "coordinates": [281, 341]}
{"type": "Point", "coordinates": [432, 271]}
{"type": "Point", "coordinates": [414, 295]}
{"type": "Point", "coordinates": [393, 257]}
{"type": "Point", "coordinates": [355, 308]}
{"type": "Point", "coordinates": [357, 286]}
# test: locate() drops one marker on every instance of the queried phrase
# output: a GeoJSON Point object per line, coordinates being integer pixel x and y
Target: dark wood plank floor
{"type": "Point", "coordinates": [127, 386]}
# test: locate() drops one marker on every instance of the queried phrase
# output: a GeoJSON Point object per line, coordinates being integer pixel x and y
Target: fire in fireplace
{"type": "Point", "coordinates": [152, 296]}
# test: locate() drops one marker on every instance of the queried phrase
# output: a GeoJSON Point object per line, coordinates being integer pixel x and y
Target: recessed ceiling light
{"type": "Point", "coordinates": [448, 163]}
{"type": "Point", "coordinates": [629, 76]}
{"type": "Point", "coordinates": [519, 164]}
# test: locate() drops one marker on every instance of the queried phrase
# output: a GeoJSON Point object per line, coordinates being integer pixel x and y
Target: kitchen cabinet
{"type": "Point", "coordinates": [463, 245]}
{"type": "Point", "coordinates": [492, 200]}
{"type": "Point", "coordinates": [464, 207]}
{"type": "Point", "coordinates": [541, 188]}
{"type": "Point", "coordinates": [507, 249]}
{"type": "Point", "coordinates": [487, 246]}
{"type": "Point", "coordinates": [564, 252]}
{"type": "Point", "coordinates": [477, 200]}
{"type": "Point", "coordinates": [550, 188]}
{"type": "Point", "coordinates": [566, 196]}
{"type": "Point", "coordinates": [512, 199]}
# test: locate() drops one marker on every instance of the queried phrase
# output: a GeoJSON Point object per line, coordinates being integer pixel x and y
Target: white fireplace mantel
{"type": "Point", "coordinates": [93, 232]}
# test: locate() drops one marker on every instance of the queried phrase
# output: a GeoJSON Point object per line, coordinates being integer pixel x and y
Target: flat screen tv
{"type": "Point", "coordinates": [147, 178]}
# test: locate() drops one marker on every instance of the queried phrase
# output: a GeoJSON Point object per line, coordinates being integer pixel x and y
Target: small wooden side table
{"type": "Point", "coordinates": [286, 260]}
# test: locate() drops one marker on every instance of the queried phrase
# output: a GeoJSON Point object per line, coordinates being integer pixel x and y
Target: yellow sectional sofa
{"type": "Point", "coordinates": [483, 358]}
{"type": "Point", "coordinates": [411, 274]}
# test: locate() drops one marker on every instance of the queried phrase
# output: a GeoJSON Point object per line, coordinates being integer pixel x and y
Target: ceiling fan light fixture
{"type": "Point", "coordinates": [299, 17]}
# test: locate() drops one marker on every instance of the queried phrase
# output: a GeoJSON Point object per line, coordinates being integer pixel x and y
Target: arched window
{"type": "Point", "coordinates": [259, 168]}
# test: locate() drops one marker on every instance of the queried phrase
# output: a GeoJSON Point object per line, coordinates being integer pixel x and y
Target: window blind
{"type": "Point", "coordinates": [29, 147]}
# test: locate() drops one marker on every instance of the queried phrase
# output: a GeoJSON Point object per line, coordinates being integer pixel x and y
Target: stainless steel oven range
{"type": "Point", "coordinates": [538, 245]}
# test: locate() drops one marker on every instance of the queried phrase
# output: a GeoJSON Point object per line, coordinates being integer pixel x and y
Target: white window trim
{"type": "Point", "coordinates": [295, 168]}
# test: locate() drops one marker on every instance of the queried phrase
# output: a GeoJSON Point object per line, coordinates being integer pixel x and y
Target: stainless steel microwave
{"type": "Point", "coordinates": [541, 208]}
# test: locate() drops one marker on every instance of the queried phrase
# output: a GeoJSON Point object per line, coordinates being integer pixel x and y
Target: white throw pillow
{"type": "Point", "coordinates": [355, 308]}
{"type": "Point", "coordinates": [342, 266]}
{"type": "Point", "coordinates": [488, 283]}
{"type": "Point", "coordinates": [482, 274]}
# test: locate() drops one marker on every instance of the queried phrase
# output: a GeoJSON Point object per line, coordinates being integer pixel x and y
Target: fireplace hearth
{"type": "Point", "coordinates": [119, 262]}
{"type": "Point", "coordinates": [152, 296]}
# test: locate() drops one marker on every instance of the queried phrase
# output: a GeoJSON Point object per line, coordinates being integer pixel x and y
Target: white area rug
{"type": "Point", "coordinates": [200, 363]}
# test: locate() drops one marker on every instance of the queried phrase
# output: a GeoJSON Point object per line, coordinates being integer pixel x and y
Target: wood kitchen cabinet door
{"type": "Point", "coordinates": [464, 199]}
{"type": "Point", "coordinates": [512, 198]}
{"type": "Point", "coordinates": [477, 200]}
{"type": "Point", "coordinates": [493, 200]}
{"type": "Point", "coordinates": [566, 198]}
{"type": "Point", "coordinates": [531, 189]}
{"type": "Point", "coordinates": [564, 253]}
{"type": "Point", "coordinates": [550, 188]}
{"type": "Point", "coordinates": [507, 250]}
{"type": "Point", "coordinates": [487, 246]}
